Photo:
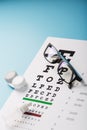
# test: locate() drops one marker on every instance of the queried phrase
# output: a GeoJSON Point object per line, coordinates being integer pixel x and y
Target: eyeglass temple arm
{"type": "Point", "coordinates": [73, 69]}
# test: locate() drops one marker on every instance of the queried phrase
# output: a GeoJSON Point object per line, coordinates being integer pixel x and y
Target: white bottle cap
{"type": "Point", "coordinates": [19, 82]}
{"type": "Point", "coordinates": [25, 107]}
{"type": "Point", "coordinates": [10, 76]}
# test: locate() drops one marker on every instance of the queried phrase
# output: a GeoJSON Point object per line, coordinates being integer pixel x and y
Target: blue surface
{"type": "Point", "coordinates": [24, 25]}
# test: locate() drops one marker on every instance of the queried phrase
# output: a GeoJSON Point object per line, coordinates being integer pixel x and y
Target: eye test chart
{"type": "Point", "coordinates": [54, 105]}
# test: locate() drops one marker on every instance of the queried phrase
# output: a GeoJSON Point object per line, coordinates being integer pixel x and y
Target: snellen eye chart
{"type": "Point", "coordinates": [54, 105]}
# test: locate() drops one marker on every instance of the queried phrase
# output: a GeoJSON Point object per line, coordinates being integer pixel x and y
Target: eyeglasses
{"type": "Point", "coordinates": [65, 70]}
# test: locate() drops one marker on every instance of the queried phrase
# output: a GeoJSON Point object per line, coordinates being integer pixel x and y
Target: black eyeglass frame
{"type": "Point", "coordinates": [62, 59]}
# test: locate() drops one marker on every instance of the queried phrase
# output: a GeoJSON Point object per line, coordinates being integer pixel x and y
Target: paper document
{"type": "Point", "coordinates": [54, 105]}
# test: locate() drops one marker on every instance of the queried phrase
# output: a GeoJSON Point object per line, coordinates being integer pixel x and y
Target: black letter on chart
{"type": "Point", "coordinates": [64, 52]}
{"type": "Point", "coordinates": [48, 67]}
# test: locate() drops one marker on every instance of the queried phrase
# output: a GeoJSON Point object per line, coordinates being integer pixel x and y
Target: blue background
{"type": "Point", "coordinates": [24, 26]}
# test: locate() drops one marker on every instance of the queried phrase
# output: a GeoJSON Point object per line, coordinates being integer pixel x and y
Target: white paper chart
{"type": "Point", "coordinates": [54, 105]}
